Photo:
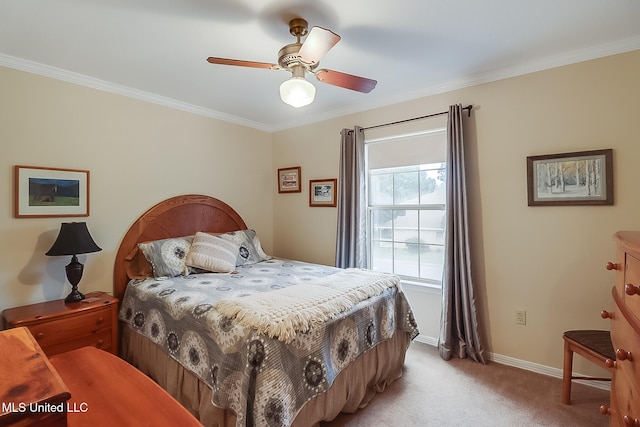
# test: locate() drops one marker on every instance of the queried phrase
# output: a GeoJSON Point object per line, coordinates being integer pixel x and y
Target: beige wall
{"type": "Point", "coordinates": [545, 260]}
{"type": "Point", "coordinates": [137, 154]}
{"type": "Point", "coordinates": [548, 261]}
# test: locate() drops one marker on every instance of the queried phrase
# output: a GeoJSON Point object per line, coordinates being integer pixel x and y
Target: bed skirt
{"type": "Point", "coordinates": [352, 389]}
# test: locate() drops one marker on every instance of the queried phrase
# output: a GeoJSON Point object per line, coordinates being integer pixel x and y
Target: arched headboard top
{"type": "Point", "coordinates": [175, 217]}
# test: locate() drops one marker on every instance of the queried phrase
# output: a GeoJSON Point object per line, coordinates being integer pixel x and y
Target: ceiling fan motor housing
{"type": "Point", "coordinates": [288, 57]}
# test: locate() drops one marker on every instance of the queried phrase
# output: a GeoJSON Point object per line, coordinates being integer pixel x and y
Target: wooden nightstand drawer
{"type": "Point", "coordinates": [83, 328]}
{"type": "Point", "coordinates": [59, 327]}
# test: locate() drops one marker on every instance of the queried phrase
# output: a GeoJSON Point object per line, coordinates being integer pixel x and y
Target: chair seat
{"type": "Point", "coordinates": [598, 341]}
{"type": "Point", "coordinates": [593, 345]}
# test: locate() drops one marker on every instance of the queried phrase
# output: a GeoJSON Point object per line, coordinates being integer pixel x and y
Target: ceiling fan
{"type": "Point", "coordinates": [300, 58]}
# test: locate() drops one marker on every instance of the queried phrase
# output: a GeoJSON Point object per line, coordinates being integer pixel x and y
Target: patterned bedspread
{"type": "Point", "coordinates": [264, 380]}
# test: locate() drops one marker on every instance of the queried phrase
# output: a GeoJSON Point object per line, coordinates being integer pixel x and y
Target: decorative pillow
{"type": "Point", "coordinates": [250, 250]}
{"type": "Point", "coordinates": [212, 253]}
{"type": "Point", "coordinates": [167, 256]}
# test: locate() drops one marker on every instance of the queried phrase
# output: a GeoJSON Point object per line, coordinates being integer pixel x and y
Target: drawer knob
{"type": "Point", "coordinates": [612, 266]}
{"type": "Point", "coordinates": [605, 410]}
{"type": "Point", "coordinates": [100, 342]}
{"type": "Point", "coordinates": [606, 315]}
{"type": "Point", "coordinates": [623, 355]}
{"type": "Point", "coordinates": [39, 335]}
{"type": "Point", "coordinates": [610, 363]}
{"type": "Point", "coordinates": [631, 290]}
{"type": "Point", "coordinates": [100, 320]}
{"type": "Point", "coordinates": [630, 422]}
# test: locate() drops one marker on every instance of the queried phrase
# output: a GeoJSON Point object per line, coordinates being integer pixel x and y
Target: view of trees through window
{"type": "Point", "coordinates": [406, 221]}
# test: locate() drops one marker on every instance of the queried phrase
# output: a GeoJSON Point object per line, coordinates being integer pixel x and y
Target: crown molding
{"type": "Point", "coordinates": [105, 86]}
{"type": "Point", "coordinates": [568, 58]}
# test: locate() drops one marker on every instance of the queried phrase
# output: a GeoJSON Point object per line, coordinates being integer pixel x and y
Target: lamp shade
{"type": "Point", "coordinates": [73, 239]}
{"type": "Point", "coordinates": [297, 92]}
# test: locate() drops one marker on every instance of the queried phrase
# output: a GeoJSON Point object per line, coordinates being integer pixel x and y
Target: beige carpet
{"type": "Point", "coordinates": [433, 392]}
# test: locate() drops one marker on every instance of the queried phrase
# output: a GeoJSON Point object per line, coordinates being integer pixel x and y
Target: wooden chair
{"type": "Point", "coordinates": [594, 346]}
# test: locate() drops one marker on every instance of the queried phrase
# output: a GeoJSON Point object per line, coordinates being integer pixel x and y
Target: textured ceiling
{"type": "Point", "coordinates": [156, 49]}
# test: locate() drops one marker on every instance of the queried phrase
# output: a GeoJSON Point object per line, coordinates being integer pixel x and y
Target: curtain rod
{"type": "Point", "coordinates": [468, 108]}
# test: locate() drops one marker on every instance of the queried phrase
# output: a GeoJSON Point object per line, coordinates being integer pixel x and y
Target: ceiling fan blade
{"type": "Point", "coordinates": [317, 44]}
{"type": "Point", "coordinates": [346, 81]}
{"type": "Point", "coordinates": [241, 63]}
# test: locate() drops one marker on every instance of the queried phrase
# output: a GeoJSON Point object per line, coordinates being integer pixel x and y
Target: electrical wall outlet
{"type": "Point", "coordinates": [521, 317]}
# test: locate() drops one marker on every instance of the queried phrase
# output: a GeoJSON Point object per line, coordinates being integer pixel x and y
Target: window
{"type": "Point", "coordinates": [406, 204]}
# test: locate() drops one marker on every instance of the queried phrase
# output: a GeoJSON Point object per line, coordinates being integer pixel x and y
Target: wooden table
{"type": "Point", "coordinates": [106, 390]}
{"type": "Point", "coordinates": [83, 387]}
{"type": "Point", "coordinates": [31, 391]}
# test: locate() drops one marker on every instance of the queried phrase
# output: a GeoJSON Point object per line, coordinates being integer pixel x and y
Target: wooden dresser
{"type": "Point", "coordinates": [625, 332]}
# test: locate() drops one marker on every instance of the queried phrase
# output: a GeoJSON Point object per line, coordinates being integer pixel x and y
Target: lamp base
{"type": "Point", "coordinates": [74, 274]}
{"type": "Point", "coordinates": [74, 296]}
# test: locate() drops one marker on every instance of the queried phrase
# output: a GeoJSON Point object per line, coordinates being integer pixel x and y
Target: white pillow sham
{"type": "Point", "coordinates": [212, 253]}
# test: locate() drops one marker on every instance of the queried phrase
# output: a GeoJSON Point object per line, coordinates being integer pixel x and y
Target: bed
{"type": "Point", "coordinates": [264, 342]}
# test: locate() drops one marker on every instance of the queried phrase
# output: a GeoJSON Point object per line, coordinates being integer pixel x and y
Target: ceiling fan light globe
{"type": "Point", "coordinates": [297, 92]}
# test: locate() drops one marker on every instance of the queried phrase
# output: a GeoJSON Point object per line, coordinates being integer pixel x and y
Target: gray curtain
{"type": "Point", "coordinates": [351, 248]}
{"type": "Point", "coordinates": [459, 329]}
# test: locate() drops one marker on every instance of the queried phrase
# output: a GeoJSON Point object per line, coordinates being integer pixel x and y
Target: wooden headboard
{"type": "Point", "coordinates": [175, 217]}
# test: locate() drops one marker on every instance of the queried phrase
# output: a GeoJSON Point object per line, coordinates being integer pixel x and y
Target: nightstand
{"type": "Point", "coordinates": [59, 327]}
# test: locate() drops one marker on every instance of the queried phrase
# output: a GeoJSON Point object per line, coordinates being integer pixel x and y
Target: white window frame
{"type": "Point", "coordinates": [425, 284]}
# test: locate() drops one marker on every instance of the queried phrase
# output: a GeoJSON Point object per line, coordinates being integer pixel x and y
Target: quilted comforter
{"type": "Point", "coordinates": [266, 377]}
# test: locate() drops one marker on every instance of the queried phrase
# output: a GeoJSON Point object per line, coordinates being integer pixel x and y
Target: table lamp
{"type": "Point", "coordinates": [73, 239]}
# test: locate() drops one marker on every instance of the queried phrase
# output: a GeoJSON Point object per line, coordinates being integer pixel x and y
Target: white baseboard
{"type": "Point", "coordinates": [427, 340]}
{"type": "Point", "coordinates": [523, 364]}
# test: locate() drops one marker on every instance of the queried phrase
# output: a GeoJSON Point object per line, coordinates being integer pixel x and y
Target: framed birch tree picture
{"type": "Point", "coordinates": [578, 178]}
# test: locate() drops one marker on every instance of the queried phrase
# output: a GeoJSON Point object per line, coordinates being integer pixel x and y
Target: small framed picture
{"type": "Point", "coordinates": [578, 178]}
{"type": "Point", "coordinates": [41, 192]}
{"type": "Point", "coordinates": [289, 180]}
{"type": "Point", "coordinates": [322, 192]}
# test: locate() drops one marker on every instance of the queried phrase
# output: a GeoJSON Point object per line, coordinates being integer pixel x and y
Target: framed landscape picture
{"type": "Point", "coordinates": [289, 180]}
{"type": "Point", "coordinates": [578, 178]}
{"type": "Point", "coordinates": [50, 192]}
{"type": "Point", "coordinates": [322, 192]}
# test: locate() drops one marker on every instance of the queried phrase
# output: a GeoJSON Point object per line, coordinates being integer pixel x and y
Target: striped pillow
{"type": "Point", "coordinates": [212, 253]}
